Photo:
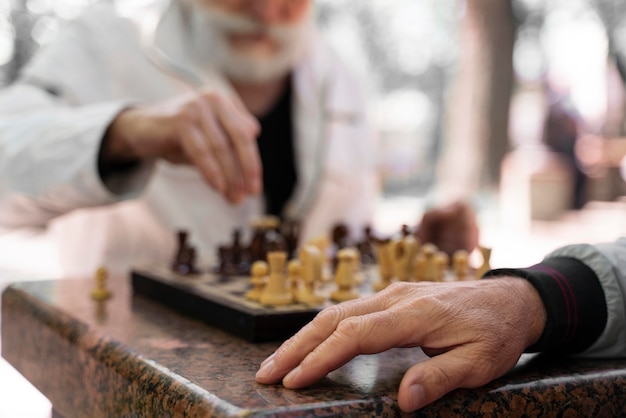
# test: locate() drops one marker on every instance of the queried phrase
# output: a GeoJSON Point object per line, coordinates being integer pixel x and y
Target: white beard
{"type": "Point", "coordinates": [210, 28]}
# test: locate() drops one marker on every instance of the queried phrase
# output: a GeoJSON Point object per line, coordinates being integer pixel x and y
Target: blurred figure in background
{"type": "Point", "coordinates": [560, 134]}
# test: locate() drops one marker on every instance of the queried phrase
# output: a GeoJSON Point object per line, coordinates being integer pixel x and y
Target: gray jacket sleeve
{"type": "Point", "coordinates": [608, 262]}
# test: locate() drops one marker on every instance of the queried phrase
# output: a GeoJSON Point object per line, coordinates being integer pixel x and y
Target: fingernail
{"type": "Point", "coordinates": [292, 375]}
{"type": "Point", "coordinates": [416, 396]}
{"type": "Point", "coordinates": [267, 360]}
{"type": "Point", "coordinates": [266, 369]}
{"type": "Point", "coordinates": [219, 184]}
{"type": "Point", "coordinates": [235, 197]}
{"type": "Point", "coordinates": [255, 186]}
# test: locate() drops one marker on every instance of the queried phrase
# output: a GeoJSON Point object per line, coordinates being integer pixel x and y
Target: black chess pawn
{"type": "Point", "coordinates": [366, 246]}
{"type": "Point", "coordinates": [341, 236]}
{"type": "Point", "coordinates": [185, 262]}
{"type": "Point", "coordinates": [226, 265]}
{"type": "Point", "coordinates": [291, 233]}
{"type": "Point", "coordinates": [274, 241]}
{"type": "Point", "coordinates": [239, 254]}
{"type": "Point", "coordinates": [256, 248]}
{"type": "Point", "coordinates": [182, 236]}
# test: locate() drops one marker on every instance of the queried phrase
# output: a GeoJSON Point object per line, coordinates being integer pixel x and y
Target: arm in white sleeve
{"type": "Point", "coordinates": [52, 123]}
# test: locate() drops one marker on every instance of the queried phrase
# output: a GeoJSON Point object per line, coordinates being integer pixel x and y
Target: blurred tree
{"type": "Point", "coordinates": [476, 128]}
{"type": "Point", "coordinates": [24, 45]}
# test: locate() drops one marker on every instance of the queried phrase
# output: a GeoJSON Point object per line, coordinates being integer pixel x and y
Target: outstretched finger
{"type": "Point", "coordinates": [294, 350]}
{"type": "Point", "coordinates": [364, 334]}
{"type": "Point", "coordinates": [221, 147]}
{"type": "Point", "coordinates": [198, 152]}
{"type": "Point", "coordinates": [242, 135]}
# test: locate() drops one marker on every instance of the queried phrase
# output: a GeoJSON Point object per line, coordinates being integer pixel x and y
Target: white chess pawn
{"type": "Point", "coordinates": [429, 273]}
{"type": "Point", "coordinates": [258, 277]}
{"type": "Point", "coordinates": [293, 275]}
{"type": "Point", "coordinates": [385, 268]}
{"type": "Point", "coordinates": [100, 292]}
{"type": "Point", "coordinates": [403, 252]}
{"type": "Point", "coordinates": [460, 265]}
{"type": "Point", "coordinates": [441, 260]}
{"type": "Point", "coordinates": [277, 291]}
{"type": "Point", "coordinates": [345, 276]}
{"type": "Point", "coordinates": [311, 260]}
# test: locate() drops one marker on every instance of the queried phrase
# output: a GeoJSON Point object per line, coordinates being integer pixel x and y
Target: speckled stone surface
{"type": "Point", "coordinates": [130, 356]}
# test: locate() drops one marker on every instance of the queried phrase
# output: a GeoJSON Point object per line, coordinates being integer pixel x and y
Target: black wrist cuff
{"type": "Point", "coordinates": [574, 301]}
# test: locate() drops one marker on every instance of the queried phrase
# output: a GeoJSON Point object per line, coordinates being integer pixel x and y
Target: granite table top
{"type": "Point", "coordinates": [130, 356]}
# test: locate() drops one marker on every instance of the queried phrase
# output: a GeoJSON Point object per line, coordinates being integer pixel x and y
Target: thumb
{"type": "Point", "coordinates": [429, 380]}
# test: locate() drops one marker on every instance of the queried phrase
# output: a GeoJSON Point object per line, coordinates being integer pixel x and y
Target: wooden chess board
{"type": "Point", "coordinates": [220, 301]}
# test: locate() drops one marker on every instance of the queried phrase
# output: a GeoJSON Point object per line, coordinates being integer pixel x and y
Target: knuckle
{"type": "Point", "coordinates": [351, 327]}
{"type": "Point", "coordinates": [331, 315]}
{"type": "Point", "coordinates": [201, 158]}
{"type": "Point", "coordinates": [399, 288]}
{"type": "Point", "coordinates": [219, 146]}
{"type": "Point", "coordinates": [189, 112]}
{"type": "Point", "coordinates": [250, 135]}
{"type": "Point", "coordinates": [213, 97]}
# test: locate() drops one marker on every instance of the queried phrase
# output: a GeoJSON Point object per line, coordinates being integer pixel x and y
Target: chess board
{"type": "Point", "coordinates": [220, 301]}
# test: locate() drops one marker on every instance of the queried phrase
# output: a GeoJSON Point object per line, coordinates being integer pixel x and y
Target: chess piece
{"type": "Point", "coordinates": [291, 233]}
{"type": "Point", "coordinates": [226, 265]}
{"type": "Point", "coordinates": [239, 254]}
{"type": "Point", "coordinates": [441, 260]}
{"type": "Point", "coordinates": [100, 291]}
{"type": "Point", "coordinates": [234, 259]}
{"type": "Point", "coordinates": [185, 259]}
{"type": "Point", "coordinates": [276, 291]}
{"type": "Point", "coordinates": [255, 249]}
{"type": "Point", "coordinates": [258, 278]}
{"type": "Point", "coordinates": [385, 268]}
{"type": "Point", "coordinates": [185, 263]}
{"type": "Point", "coordinates": [460, 265]}
{"type": "Point", "coordinates": [367, 246]}
{"type": "Point", "coordinates": [182, 236]}
{"type": "Point", "coordinates": [293, 276]}
{"type": "Point", "coordinates": [310, 275]}
{"type": "Point", "coordinates": [403, 252]}
{"type": "Point", "coordinates": [345, 276]}
{"type": "Point", "coordinates": [265, 238]}
{"type": "Point", "coordinates": [429, 273]}
{"type": "Point", "coordinates": [340, 238]}
{"type": "Point", "coordinates": [322, 243]}
{"type": "Point", "coordinates": [420, 267]}
{"type": "Point", "coordinates": [485, 266]}
{"type": "Point", "coordinates": [274, 242]}
{"type": "Point", "coordinates": [258, 244]}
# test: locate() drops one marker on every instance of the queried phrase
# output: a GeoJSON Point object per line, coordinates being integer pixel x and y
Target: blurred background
{"type": "Point", "coordinates": [517, 105]}
{"type": "Point", "coordinates": [450, 81]}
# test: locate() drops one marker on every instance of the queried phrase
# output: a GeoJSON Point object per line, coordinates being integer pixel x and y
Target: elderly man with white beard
{"type": "Point", "coordinates": [192, 114]}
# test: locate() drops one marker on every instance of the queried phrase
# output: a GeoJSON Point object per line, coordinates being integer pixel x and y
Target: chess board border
{"type": "Point", "coordinates": [262, 324]}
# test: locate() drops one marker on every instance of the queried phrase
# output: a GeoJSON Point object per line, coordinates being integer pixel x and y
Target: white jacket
{"type": "Point", "coordinates": [52, 122]}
